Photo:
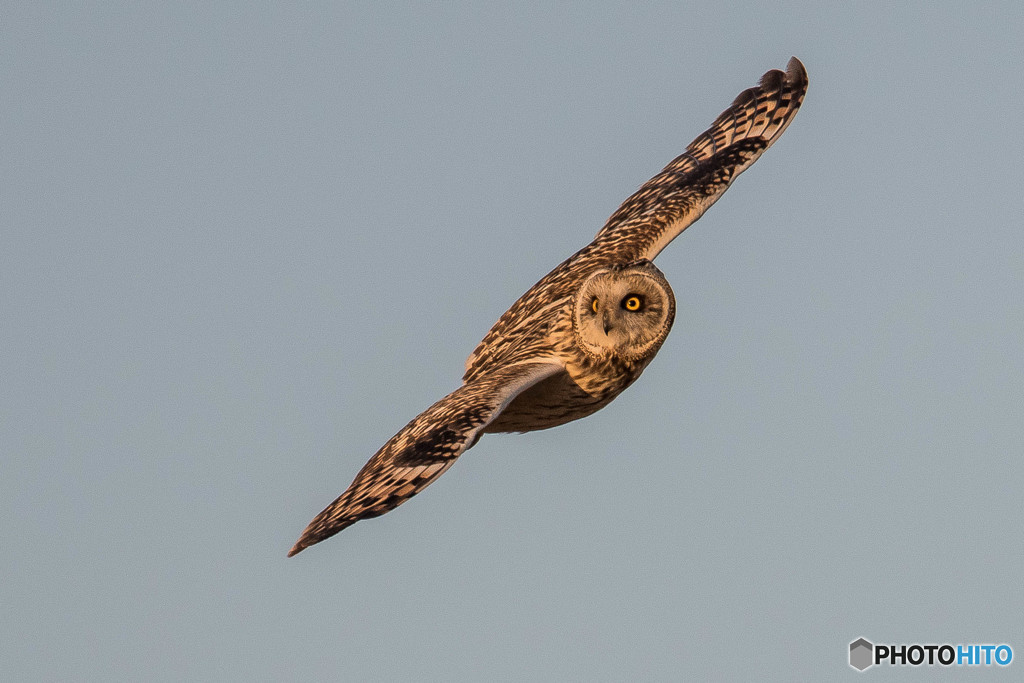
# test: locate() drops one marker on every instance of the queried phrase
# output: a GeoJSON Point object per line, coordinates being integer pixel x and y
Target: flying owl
{"type": "Point", "coordinates": [586, 331]}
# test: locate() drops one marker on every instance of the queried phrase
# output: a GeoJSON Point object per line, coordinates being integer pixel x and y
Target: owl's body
{"type": "Point", "coordinates": [584, 332]}
{"type": "Point", "coordinates": [588, 378]}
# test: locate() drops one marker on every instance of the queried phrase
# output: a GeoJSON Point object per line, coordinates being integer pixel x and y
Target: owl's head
{"type": "Point", "coordinates": [626, 311]}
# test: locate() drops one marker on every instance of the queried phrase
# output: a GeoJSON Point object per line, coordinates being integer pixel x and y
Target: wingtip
{"type": "Point", "coordinates": [795, 77]}
{"type": "Point", "coordinates": [296, 549]}
{"type": "Point", "coordinates": [795, 71]}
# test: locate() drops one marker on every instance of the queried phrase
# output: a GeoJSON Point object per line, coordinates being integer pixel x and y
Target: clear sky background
{"type": "Point", "coordinates": [241, 246]}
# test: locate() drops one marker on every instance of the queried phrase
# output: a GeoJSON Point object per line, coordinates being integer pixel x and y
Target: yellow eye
{"type": "Point", "coordinates": [593, 305]}
{"type": "Point", "coordinates": [632, 303]}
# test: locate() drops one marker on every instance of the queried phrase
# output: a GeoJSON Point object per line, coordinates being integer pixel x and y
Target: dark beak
{"type": "Point", "coordinates": [606, 323]}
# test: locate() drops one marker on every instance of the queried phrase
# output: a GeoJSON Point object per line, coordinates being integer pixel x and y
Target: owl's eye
{"type": "Point", "coordinates": [633, 302]}
{"type": "Point", "coordinates": [593, 305]}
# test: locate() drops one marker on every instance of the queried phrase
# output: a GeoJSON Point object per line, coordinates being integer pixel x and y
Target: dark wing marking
{"type": "Point", "coordinates": [424, 449]}
{"type": "Point", "coordinates": [672, 200]}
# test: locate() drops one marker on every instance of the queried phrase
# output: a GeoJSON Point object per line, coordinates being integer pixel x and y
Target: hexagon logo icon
{"type": "Point", "coordinates": [861, 654]}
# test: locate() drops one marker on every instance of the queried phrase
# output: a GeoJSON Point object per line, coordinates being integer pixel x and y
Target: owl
{"type": "Point", "coordinates": [585, 331]}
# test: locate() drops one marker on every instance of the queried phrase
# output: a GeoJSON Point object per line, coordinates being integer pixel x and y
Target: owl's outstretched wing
{"type": "Point", "coordinates": [672, 200]}
{"type": "Point", "coordinates": [665, 206]}
{"type": "Point", "coordinates": [424, 449]}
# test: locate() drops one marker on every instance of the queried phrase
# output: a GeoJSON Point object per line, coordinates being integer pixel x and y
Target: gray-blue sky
{"type": "Point", "coordinates": [242, 246]}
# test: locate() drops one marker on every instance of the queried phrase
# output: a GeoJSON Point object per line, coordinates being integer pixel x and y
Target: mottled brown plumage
{"type": "Point", "coordinates": [586, 331]}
